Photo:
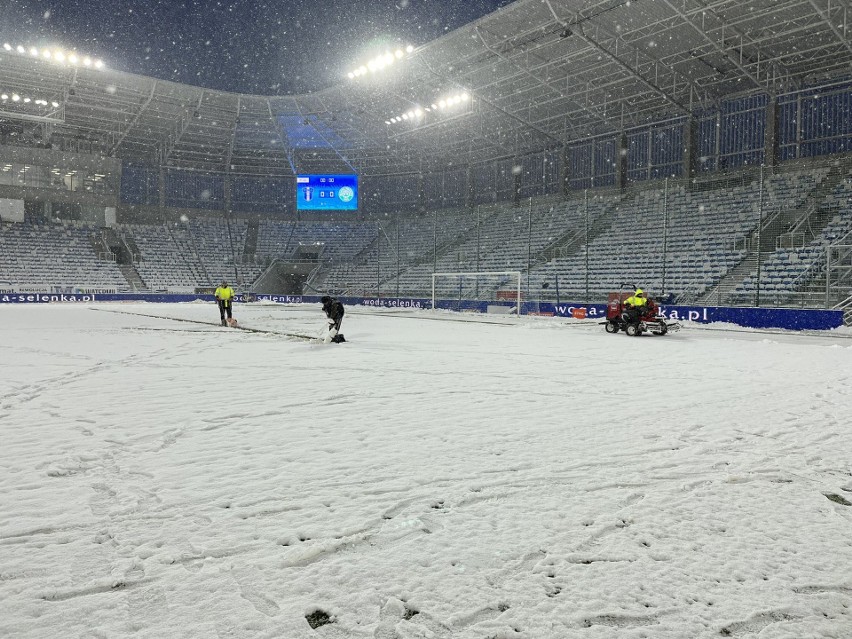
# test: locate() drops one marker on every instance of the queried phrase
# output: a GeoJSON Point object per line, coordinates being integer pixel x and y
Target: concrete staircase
{"type": "Point", "coordinates": [718, 296]}
{"type": "Point", "coordinates": [812, 218]}
{"type": "Point", "coordinates": [132, 276]}
{"type": "Point", "coordinates": [250, 248]}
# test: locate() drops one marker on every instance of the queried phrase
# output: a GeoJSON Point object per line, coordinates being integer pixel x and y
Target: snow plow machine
{"type": "Point", "coordinates": [634, 322]}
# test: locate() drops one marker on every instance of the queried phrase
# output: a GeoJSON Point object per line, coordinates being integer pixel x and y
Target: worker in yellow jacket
{"type": "Point", "coordinates": [634, 305]}
{"type": "Point", "coordinates": [636, 300]}
{"type": "Point", "coordinates": [224, 297]}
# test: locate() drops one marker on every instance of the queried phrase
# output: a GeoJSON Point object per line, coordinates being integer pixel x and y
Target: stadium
{"type": "Point", "coordinates": [481, 459]}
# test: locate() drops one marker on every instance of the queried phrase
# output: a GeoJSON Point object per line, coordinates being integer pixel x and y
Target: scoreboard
{"type": "Point", "coordinates": [327, 192]}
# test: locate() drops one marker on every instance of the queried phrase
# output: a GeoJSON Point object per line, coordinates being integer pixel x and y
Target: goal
{"type": "Point", "coordinates": [485, 286]}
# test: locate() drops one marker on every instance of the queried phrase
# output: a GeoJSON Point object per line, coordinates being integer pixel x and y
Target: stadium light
{"type": "Point", "coordinates": [26, 99]}
{"type": "Point", "coordinates": [444, 103]}
{"type": "Point", "coordinates": [380, 62]}
{"type": "Point", "coordinates": [55, 55]}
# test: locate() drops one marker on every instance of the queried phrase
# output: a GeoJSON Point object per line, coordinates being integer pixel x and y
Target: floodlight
{"type": "Point", "coordinates": [4, 97]}
{"type": "Point", "coordinates": [20, 49]}
{"type": "Point", "coordinates": [72, 59]}
{"type": "Point", "coordinates": [404, 116]}
{"type": "Point", "coordinates": [7, 46]}
{"type": "Point", "coordinates": [34, 52]}
{"type": "Point", "coordinates": [442, 104]}
{"type": "Point", "coordinates": [387, 122]}
{"type": "Point", "coordinates": [399, 53]}
{"type": "Point", "coordinates": [409, 48]}
{"type": "Point", "coordinates": [351, 75]}
{"type": "Point", "coordinates": [99, 64]}
{"type": "Point", "coordinates": [87, 62]}
{"type": "Point", "coordinates": [55, 105]}
{"type": "Point", "coordinates": [59, 56]}
{"type": "Point", "coordinates": [465, 97]}
{"type": "Point", "coordinates": [418, 112]}
{"type": "Point", "coordinates": [27, 100]}
{"type": "Point", "coordinates": [46, 54]}
{"type": "Point", "coordinates": [16, 97]}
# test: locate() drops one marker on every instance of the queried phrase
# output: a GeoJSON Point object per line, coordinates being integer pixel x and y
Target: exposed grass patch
{"type": "Point", "coordinates": [318, 618]}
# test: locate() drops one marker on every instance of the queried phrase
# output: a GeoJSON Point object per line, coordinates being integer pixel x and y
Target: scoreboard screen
{"type": "Point", "coordinates": [327, 192]}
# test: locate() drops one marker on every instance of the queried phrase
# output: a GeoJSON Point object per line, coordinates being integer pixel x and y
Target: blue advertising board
{"type": "Point", "coordinates": [784, 318]}
{"type": "Point", "coordinates": [327, 193]}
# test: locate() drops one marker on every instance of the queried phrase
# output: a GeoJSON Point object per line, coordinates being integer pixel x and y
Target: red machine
{"type": "Point", "coordinates": [634, 322]}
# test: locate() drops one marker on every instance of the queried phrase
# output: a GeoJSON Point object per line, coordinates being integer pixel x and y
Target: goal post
{"type": "Point", "coordinates": [480, 286]}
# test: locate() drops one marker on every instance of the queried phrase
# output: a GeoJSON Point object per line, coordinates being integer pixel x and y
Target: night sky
{"type": "Point", "coordinates": [267, 47]}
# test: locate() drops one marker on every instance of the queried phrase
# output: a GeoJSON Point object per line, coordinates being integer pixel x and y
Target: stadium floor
{"type": "Point", "coordinates": [469, 478]}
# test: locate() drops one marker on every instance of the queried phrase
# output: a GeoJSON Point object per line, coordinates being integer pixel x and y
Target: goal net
{"type": "Point", "coordinates": [498, 288]}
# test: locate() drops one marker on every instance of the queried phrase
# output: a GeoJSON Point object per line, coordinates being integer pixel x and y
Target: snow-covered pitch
{"type": "Point", "coordinates": [438, 476]}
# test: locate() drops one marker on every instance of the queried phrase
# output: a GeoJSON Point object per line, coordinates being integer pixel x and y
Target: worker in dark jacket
{"type": "Point", "coordinates": [333, 310]}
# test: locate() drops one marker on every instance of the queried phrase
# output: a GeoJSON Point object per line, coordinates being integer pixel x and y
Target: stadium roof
{"type": "Point", "coordinates": [539, 73]}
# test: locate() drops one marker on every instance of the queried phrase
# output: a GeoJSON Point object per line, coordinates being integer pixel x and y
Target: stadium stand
{"type": "Point", "coordinates": [165, 261]}
{"type": "Point", "coordinates": [790, 270]}
{"type": "Point", "coordinates": [705, 234]}
{"type": "Point", "coordinates": [701, 235]}
{"type": "Point", "coordinates": [55, 255]}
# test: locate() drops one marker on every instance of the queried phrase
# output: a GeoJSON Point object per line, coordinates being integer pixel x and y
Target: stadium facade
{"type": "Point", "coordinates": [699, 148]}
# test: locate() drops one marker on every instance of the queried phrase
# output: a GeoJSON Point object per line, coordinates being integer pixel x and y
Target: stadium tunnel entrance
{"type": "Point", "coordinates": [284, 277]}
